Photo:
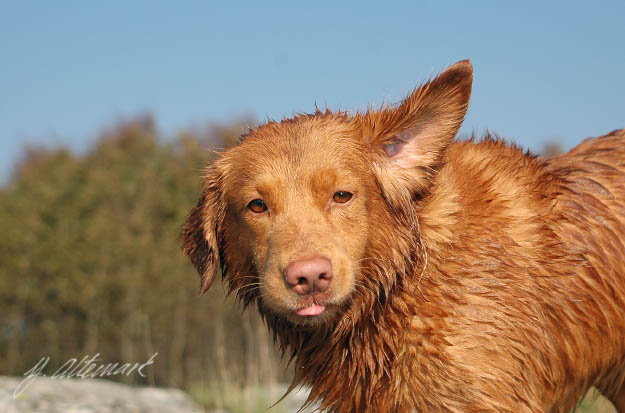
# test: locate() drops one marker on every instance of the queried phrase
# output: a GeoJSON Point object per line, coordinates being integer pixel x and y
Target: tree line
{"type": "Point", "coordinates": [90, 263]}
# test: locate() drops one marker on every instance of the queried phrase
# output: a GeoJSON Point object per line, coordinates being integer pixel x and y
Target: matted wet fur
{"type": "Point", "coordinates": [404, 271]}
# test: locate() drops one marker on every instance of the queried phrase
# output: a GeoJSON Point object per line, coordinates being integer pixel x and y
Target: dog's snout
{"type": "Point", "coordinates": [310, 275]}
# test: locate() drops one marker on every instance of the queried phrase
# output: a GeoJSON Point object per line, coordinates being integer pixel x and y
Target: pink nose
{"type": "Point", "coordinates": [311, 275]}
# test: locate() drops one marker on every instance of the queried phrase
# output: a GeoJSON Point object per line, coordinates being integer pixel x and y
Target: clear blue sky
{"type": "Point", "coordinates": [68, 69]}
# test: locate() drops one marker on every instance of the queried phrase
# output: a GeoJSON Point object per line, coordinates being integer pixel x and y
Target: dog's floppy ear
{"type": "Point", "coordinates": [411, 138]}
{"type": "Point", "coordinates": [200, 233]}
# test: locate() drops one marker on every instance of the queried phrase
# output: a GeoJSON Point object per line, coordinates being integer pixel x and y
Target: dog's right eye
{"type": "Point", "coordinates": [257, 205]}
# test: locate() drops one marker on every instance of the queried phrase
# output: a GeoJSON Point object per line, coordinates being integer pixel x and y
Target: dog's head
{"type": "Point", "coordinates": [312, 214]}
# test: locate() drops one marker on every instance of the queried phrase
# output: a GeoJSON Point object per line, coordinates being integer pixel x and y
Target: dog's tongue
{"type": "Point", "coordinates": [314, 309]}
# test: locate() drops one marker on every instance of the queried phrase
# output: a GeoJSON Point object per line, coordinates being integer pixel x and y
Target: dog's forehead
{"type": "Point", "coordinates": [298, 146]}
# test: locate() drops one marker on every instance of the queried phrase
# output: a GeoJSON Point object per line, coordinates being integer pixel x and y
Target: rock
{"type": "Point", "coordinates": [46, 394]}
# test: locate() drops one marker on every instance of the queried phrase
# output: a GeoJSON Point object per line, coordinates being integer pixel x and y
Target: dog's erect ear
{"type": "Point", "coordinates": [411, 137]}
{"type": "Point", "coordinates": [200, 232]}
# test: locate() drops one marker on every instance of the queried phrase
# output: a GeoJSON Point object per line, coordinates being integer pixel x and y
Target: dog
{"type": "Point", "coordinates": [405, 270]}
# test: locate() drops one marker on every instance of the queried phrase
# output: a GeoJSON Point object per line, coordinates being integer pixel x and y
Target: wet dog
{"type": "Point", "coordinates": [407, 271]}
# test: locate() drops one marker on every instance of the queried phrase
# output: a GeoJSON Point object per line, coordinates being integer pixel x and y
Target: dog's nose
{"type": "Point", "coordinates": [309, 275]}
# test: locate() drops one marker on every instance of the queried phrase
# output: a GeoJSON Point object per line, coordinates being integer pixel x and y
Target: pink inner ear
{"type": "Point", "coordinates": [418, 145]}
{"type": "Point", "coordinates": [393, 146]}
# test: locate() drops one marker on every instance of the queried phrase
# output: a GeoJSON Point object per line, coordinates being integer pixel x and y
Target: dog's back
{"type": "Point", "coordinates": [530, 248]}
{"type": "Point", "coordinates": [589, 217]}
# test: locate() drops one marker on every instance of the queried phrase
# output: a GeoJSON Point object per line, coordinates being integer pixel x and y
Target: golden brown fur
{"type": "Point", "coordinates": [468, 276]}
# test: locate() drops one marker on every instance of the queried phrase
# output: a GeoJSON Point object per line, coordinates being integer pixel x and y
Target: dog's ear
{"type": "Point", "coordinates": [411, 138]}
{"type": "Point", "coordinates": [200, 233]}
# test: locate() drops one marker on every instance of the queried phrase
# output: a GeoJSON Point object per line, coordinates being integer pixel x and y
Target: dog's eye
{"type": "Point", "coordinates": [342, 197]}
{"type": "Point", "coordinates": [257, 205]}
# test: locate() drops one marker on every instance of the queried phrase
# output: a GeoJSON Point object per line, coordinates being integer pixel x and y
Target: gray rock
{"type": "Point", "coordinates": [90, 396]}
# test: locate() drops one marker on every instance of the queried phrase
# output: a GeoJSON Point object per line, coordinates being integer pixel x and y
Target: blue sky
{"type": "Point", "coordinates": [68, 69]}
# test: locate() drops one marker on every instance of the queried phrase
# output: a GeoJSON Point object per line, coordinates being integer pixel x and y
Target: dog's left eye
{"type": "Point", "coordinates": [342, 197]}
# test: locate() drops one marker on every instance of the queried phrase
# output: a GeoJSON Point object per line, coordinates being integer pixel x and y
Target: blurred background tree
{"type": "Point", "coordinates": [90, 263]}
{"type": "Point", "coordinates": [551, 148]}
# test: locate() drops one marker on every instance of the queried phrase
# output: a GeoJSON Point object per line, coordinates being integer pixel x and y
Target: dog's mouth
{"type": "Point", "coordinates": [311, 305]}
{"type": "Point", "coordinates": [311, 310]}
{"type": "Point", "coordinates": [314, 310]}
